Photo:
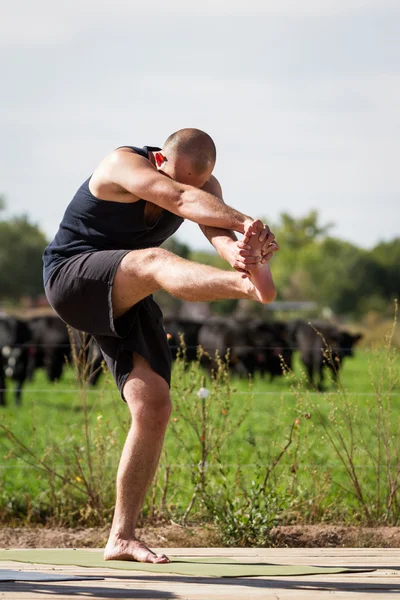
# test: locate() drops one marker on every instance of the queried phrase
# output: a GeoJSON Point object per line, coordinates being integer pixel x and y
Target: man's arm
{"type": "Point", "coordinates": [223, 240]}
{"type": "Point", "coordinates": [139, 177]}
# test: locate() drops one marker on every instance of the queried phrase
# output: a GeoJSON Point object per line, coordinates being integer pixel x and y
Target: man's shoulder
{"type": "Point", "coordinates": [140, 150]}
{"type": "Point", "coordinates": [213, 186]}
{"type": "Point", "coordinates": [212, 180]}
{"type": "Point", "coordinates": [126, 155]}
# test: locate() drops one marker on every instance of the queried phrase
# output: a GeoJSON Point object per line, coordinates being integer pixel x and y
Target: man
{"type": "Point", "coordinates": [104, 264]}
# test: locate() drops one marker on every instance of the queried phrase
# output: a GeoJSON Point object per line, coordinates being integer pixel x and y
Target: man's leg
{"type": "Point", "coordinates": [143, 272]}
{"type": "Point", "coordinates": [147, 395]}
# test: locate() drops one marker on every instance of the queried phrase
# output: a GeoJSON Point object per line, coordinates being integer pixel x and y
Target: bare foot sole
{"type": "Point", "coordinates": [264, 289]}
{"type": "Point", "coordinates": [260, 276]}
{"type": "Point", "coordinates": [132, 550]}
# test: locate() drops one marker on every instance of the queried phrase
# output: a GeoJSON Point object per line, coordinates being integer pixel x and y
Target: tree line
{"type": "Point", "coordinates": [311, 264]}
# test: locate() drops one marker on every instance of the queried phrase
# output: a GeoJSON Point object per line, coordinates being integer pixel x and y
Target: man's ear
{"type": "Point", "coordinates": [159, 158]}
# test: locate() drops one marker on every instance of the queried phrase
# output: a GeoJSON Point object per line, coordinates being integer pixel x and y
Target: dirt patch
{"type": "Point", "coordinates": [335, 536]}
{"type": "Point", "coordinates": [172, 536]}
{"type": "Point", "coordinates": [175, 536]}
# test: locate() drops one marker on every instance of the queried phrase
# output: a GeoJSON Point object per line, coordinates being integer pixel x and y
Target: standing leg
{"type": "Point", "coordinates": [147, 395]}
{"type": "Point", "coordinates": [140, 273]}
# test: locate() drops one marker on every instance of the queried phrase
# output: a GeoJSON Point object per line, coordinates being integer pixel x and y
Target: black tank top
{"type": "Point", "coordinates": [91, 224]}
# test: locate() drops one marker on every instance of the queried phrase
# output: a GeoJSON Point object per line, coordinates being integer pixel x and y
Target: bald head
{"type": "Point", "coordinates": [194, 146]}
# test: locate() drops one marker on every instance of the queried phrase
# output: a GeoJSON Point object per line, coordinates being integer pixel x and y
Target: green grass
{"type": "Point", "coordinates": [310, 481]}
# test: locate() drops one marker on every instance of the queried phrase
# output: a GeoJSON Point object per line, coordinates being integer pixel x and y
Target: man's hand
{"type": "Point", "coordinates": [250, 253]}
{"type": "Point", "coordinates": [243, 258]}
{"type": "Point", "coordinates": [256, 248]}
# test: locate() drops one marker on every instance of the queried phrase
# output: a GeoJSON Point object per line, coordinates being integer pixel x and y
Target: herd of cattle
{"type": "Point", "coordinates": [252, 346]}
{"type": "Point", "coordinates": [42, 342]}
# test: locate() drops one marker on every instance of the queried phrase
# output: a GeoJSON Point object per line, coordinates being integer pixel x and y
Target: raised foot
{"type": "Point", "coordinates": [264, 288]}
{"type": "Point", "coordinates": [259, 276]}
{"type": "Point", "coordinates": [251, 236]}
{"type": "Point", "coordinates": [132, 550]}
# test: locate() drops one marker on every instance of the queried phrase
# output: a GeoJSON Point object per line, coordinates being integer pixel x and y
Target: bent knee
{"type": "Point", "coordinates": [136, 278]}
{"type": "Point", "coordinates": [142, 262]}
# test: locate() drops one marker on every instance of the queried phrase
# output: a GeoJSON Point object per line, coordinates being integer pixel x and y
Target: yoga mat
{"type": "Point", "coordinates": [197, 567]}
{"type": "Point", "coordinates": [10, 575]}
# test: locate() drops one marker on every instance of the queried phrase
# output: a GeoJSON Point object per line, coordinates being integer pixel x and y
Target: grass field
{"type": "Point", "coordinates": [251, 454]}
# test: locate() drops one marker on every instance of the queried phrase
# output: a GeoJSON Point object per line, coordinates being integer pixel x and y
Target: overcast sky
{"type": "Point", "coordinates": [302, 98]}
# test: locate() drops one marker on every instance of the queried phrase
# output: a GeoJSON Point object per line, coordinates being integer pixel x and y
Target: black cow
{"type": "Point", "coordinates": [227, 337]}
{"type": "Point", "coordinates": [254, 346]}
{"type": "Point", "coordinates": [321, 344]}
{"type": "Point", "coordinates": [272, 351]}
{"type": "Point", "coordinates": [188, 329]}
{"type": "Point", "coordinates": [15, 337]}
{"type": "Point", "coordinates": [87, 356]}
{"type": "Point", "coordinates": [51, 346]}
{"type": "Point", "coordinates": [54, 344]}
{"type": "Point", "coordinates": [2, 380]}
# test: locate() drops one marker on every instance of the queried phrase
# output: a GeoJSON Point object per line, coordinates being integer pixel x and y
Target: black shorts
{"type": "Point", "coordinates": [80, 291]}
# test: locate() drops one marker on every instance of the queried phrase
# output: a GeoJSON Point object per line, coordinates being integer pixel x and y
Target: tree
{"type": "Point", "coordinates": [21, 247]}
{"type": "Point", "coordinates": [297, 233]}
{"type": "Point", "coordinates": [348, 278]}
{"type": "Point", "coordinates": [296, 237]}
{"type": "Point", "coordinates": [177, 247]}
{"type": "Point", "coordinates": [387, 254]}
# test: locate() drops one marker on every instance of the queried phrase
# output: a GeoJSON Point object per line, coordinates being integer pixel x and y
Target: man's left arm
{"type": "Point", "coordinates": [237, 254]}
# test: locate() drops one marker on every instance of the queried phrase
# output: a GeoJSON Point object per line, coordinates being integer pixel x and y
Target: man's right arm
{"type": "Point", "coordinates": [139, 177]}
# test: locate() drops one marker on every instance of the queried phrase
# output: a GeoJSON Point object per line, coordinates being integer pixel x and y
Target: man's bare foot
{"type": "Point", "coordinates": [132, 550]}
{"type": "Point", "coordinates": [262, 290]}
{"type": "Point", "coordinates": [260, 276]}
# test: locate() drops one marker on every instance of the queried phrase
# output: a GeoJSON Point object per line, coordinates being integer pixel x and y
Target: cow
{"type": "Point", "coordinates": [15, 337]}
{"type": "Point", "coordinates": [51, 346]}
{"type": "Point", "coordinates": [86, 356]}
{"type": "Point", "coordinates": [272, 352]}
{"type": "Point", "coordinates": [186, 330]}
{"type": "Point", "coordinates": [321, 344]}
{"type": "Point", "coordinates": [54, 344]}
{"type": "Point", "coordinates": [252, 346]}
{"type": "Point", "coordinates": [2, 379]}
{"type": "Point", "coordinates": [227, 338]}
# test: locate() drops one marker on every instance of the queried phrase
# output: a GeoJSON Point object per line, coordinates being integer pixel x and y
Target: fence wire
{"type": "Point", "coordinates": [187, 347]}
{"type": "Point", "coordinates": [33, 391]}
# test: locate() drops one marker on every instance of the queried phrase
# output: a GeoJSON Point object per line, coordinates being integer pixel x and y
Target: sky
{"type": "Point", "coordinates": [302, 98]}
